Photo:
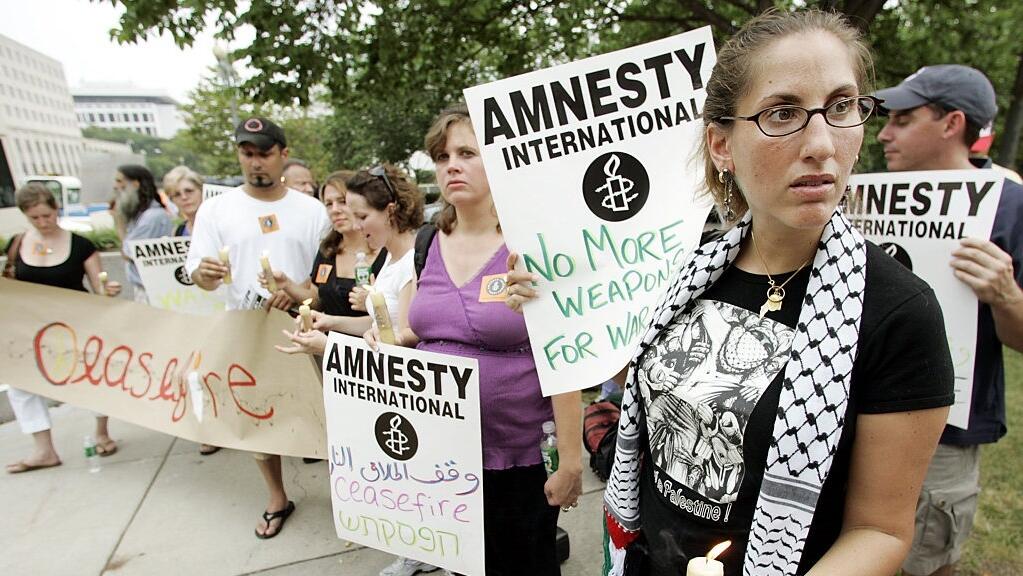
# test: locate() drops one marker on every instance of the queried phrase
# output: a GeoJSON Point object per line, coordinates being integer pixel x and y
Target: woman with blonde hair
{"type": "Point", "coordinates": [183, 187]}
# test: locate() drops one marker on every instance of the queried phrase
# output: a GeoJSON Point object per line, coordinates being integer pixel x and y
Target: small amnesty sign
{"type": "Point", "coordinates": [919, 218]}
{"type": "Point", "coordinates": [593, 172]}
{"type": "Point", "coordinates": [161, 264]}
{"type": "Point", "coordinates": [406, 462]}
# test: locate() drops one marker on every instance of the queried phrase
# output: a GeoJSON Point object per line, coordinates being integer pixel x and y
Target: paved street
{"type": "Point", "coordinates": [159, 508]}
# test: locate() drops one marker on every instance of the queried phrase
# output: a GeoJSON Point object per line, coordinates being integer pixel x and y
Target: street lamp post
{"type": "Point", "coordinates": [225, 67]}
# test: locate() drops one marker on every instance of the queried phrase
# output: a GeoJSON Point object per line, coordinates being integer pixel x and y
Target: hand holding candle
{"type": "Point", "coordinates": [103, 283]}
{"type": "Point", "coordinates": [268, 272]}
{"type": "Point", "coordinates": [225, 259]}
{"type": "Point", "coordinates": [381, 316]}
{"type": "Point", "coordinates": [306, 314]}
{"type": "Point", "coordinates": [707, 565]}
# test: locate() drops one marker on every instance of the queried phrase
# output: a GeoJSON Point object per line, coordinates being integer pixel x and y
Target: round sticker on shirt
{"type": "Point", "coordinates": [493, 288]}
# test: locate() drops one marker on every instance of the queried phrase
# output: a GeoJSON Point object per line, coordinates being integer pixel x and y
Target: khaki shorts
{"type": "Point", "coordinates": [945, 510]}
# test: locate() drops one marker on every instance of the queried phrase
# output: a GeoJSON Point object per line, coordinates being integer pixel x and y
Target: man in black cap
{"type": "Point", "coordinates": [260, 217]}
{"type": "Point", "coordinates": [935, 115]}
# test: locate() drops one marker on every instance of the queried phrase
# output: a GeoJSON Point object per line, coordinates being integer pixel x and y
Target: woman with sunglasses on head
{"type": "Point", "coordinates": [331, 281]}
{"type": "Point", "coordinates": [793, 383]}
{"type": "Point", "coordinates": [386, 210]}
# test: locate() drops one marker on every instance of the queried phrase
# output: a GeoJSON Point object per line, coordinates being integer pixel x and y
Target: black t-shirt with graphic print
{"type": "Point", "coordinates": [710, 386]}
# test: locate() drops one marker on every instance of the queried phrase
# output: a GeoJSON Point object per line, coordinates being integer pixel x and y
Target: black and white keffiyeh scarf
{"type": "Point", "coordinates": [811, 408]}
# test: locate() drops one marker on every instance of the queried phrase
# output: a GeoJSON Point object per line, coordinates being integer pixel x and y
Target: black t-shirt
{"type": "Point", "coordinates": [710, 386]}
{"type": "Point", "coordinates": [333, 291]}
{"type": "Point", "coordinates": [67, 274]}
{"type": "Point", "coordinates": [987, 406]}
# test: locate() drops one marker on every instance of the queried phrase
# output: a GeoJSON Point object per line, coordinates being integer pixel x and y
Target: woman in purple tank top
{"type": "Point", "coordinates": [459, 309]}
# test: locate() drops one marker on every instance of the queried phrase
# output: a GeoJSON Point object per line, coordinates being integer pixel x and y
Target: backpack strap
{"type": "Point", "coordinates": [424, 237]}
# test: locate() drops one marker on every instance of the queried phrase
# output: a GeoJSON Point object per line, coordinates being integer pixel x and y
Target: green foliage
{"type": "Point", "coordinates": [388, 67]}
{"type": "Point", "coordinates": [105, 239]}
{"type": "Point", "coordinates": [161, 154]}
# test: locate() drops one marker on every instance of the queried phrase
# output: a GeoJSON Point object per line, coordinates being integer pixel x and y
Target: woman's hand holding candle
{"type": "Point", "coordinates": [306, 314]}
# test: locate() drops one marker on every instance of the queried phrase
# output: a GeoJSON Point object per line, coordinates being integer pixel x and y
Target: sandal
{"type": "Point", "coordinates": [207, 449]}
{"type": "Point", "coordinates": [269, 517]}
{"type": "Point", "coordinates": [108, 448]}
{"type": "Point", "coordinates": [22, 466]}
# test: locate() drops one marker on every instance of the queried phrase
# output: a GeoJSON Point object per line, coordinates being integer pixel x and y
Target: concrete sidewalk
{"type": "Point", "coordinates": [159, 508]}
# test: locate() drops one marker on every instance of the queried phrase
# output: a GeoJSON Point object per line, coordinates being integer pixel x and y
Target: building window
{"type": "Point", "coordinates": [149, 130]}
{"type": "Point", "coordinates": [135, 117]}
{"type": "Point", "coordinates": [148, 117]}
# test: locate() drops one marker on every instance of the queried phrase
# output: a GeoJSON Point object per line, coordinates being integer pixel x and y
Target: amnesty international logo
{"type": "Point", "coordinates": [616, 186]}
{"type": "Point", "coordinates": [899, 253]}
{"type": "Point", "coordinates": [396, 436]}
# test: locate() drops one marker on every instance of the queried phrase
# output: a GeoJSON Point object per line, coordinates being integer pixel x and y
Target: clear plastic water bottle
{"type": "Point", "coordinates": [90, 454]}
{"type": "Point", "coordinates": [361, 269]}
{"type": "Point", "coordinates": [549, 448]}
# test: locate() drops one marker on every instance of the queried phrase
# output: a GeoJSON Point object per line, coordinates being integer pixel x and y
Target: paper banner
{"type": "Point", "coordinates": [919, 218]}
{"type": "Point", "coordinates": [161, 264]}
{"type": "Point", "coordinates": [594, 174]}
{"type": "Point", "coordinates": [406, 463]}
{"type": "Point", "coordinates": [133, 362]}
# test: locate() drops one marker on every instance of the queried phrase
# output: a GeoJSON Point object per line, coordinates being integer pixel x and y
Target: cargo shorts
{"type": "Point", "coordinates": [945, 509]}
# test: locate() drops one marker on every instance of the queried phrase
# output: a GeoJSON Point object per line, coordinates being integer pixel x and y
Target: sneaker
{"type": "Point", "coordinates": [407, 567]}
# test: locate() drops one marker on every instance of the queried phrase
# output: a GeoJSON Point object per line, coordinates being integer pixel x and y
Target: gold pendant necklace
{"type": "Point", "coordinates": [775, 292]}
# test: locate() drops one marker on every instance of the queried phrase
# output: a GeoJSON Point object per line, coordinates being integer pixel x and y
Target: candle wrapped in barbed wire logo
{"type": "Point", "coordinates": [898, 253]}
{"type": "Point", "coordinates": [396, 436]}
{"type": "Point", "coordinates": [615, 186]}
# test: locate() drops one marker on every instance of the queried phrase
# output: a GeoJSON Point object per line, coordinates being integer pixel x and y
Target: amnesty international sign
{"type": "Point", "coordinates": [406, 464]}
{"type": "Point", "coordinates": [918, 218]}
{"type": "Point", "coordinates": [161, 264]}
{"type": "Point", "coordinates": [215, 380]}
{"type": "Point", "coordinates": [592, 170]}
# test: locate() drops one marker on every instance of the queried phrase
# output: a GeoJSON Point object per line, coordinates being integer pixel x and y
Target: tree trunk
{"type": "Point", "coordinates": [1009, 138]}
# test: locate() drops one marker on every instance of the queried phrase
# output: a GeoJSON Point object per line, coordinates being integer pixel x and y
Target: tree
{"type": "Point", "coordinates": [161, 154]}
{"type": "Point", "coordinates": [388, 67]}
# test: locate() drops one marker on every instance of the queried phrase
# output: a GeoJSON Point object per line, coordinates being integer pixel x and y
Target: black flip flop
{"type": "Point", "coordinates": [269, 517]}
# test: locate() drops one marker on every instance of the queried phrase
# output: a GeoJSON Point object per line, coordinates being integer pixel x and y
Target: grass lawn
{"type": "Point", "coordinates": [996, 546]}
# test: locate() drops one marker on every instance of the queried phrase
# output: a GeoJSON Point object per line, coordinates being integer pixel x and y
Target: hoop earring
{"type": "Point", "coordinates": [725, 177]}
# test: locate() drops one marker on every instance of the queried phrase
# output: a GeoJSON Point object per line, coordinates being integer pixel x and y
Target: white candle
{"type": "Point", "coordinates": [306, 314]}
{"type": "Point", "coordinates": [707, 565]}
{"type": "Point", "coordinates": [103, 283]}
{"type": "Point", "coordinates": [264, 260]}
{"type": "Point", "coordinates": [225, 259]}
{"type": "Point", "coordinates": [382, 317]}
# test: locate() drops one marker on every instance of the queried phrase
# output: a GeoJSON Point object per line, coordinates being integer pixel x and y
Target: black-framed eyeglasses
{"type": "Point", "coordinates": [379, 172]}
{"type": "Point", "coordinates": [778, 121]}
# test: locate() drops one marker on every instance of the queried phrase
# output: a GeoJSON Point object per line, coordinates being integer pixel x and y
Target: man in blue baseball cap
{"type": "Point", "coordinates": [934, 117]}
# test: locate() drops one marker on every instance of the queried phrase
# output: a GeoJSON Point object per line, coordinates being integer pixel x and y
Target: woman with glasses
{"type": "Point", "coordinates": [791, 388]}
{"type": "Point", "coordinates": [183, 187]}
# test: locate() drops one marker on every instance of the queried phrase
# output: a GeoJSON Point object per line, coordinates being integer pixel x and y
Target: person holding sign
{"type": "Point", "coordinates": [458, 309]}
{"type": "Point", "coordinates": [50, 255]}
{"type": "Point", "coordinates": [261, 215]}
{"type": "Point", "coordinates": [790, 389]}
{"type": "Point", "coordinates": [139, 214]}
{"type": "Point", "coordinates": [934, 117]}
